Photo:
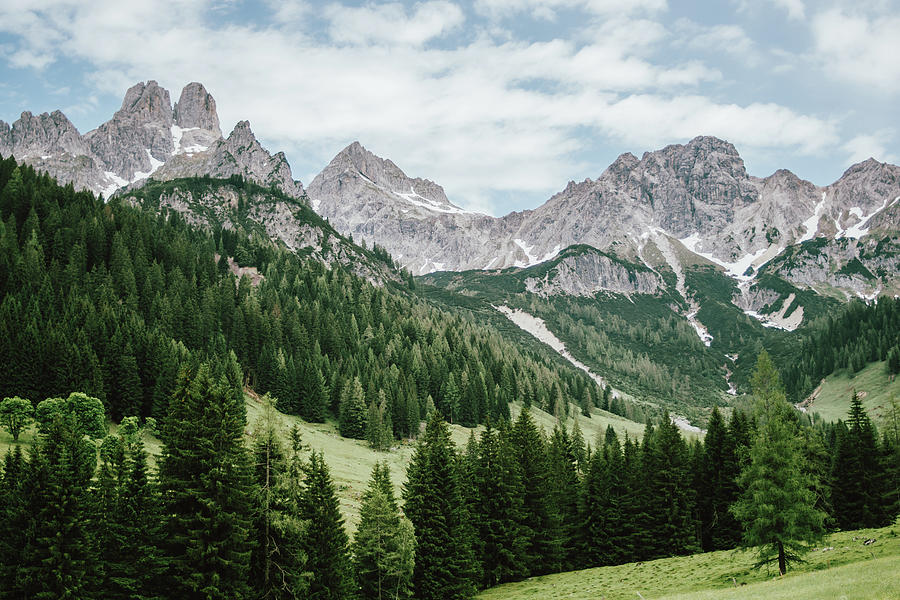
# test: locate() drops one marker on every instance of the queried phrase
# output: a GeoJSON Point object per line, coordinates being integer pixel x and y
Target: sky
{"type": "Point", "coordinates": [502, 102]}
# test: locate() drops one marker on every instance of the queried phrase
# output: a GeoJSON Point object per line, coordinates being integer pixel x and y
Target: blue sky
{"type": "Point", "coordinates": [500, 101]}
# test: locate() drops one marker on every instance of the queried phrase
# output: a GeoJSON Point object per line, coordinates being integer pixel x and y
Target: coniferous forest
{"type": "Point", "coordinates": [114, 314]}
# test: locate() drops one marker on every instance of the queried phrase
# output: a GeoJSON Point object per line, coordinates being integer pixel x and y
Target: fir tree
{"type": "Point", "coordinates": [58, 558]}
{"type": "Point", "coordinates": [326, 542]}
{"type": "Point", "coordinates": [384, 547]}
{"type": "Point", "coordinates": [444, 563]}
{"type": "Point", "coordinates": [857, 488]}
{"type": "Point", "coordinates": [278, 559]}
{"type": "Point", "coordinates": [540, 524]}
{"type": "Point", "coordinates": [207, 488]}
{"type": "Point", "coordinates": [353, 411]}
{"type": "Point", "coordinates": [499, 517]}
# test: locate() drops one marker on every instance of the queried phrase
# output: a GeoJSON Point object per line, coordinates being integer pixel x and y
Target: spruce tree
{"type": "Point", "coordinates": [207, 488]}
{"type": "Point", "coordinates": [564, 487]}
{"type": "Point", "coordinates": [444, 563]}
{"type": "Point", "coordinates": [278, 559]}
{"type": "Point", "coordinates": [326, 544]}
{"type": "Point", "coordinates": [384, 547]}
{"type": "Point", "coordinates": [58, 559]}
{"type": "Point", "coordinates": [540, 524]}
{"type": "Point", "coordinates": [858, 484]}
{"type": "Point", "coordinates": [499, 517]}
{"type": "Point", "coordinates": [353, 411]}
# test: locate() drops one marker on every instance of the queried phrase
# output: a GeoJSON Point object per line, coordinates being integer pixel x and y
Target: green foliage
{"type": "Point", "coordinates": [858, 480]}
{"type": "Point", "coordinates": [857, 335]}
{"type": "Point", "coordinates": [16, 414]}
{"type": "Point", "coordinates": [88, 416]}
{"type": "Point", "coordinates": [278, 558]}
{"type": "Point", "coordinates": [433, 497]}
{"type": "Point", "coordinates": [778, 505]}
{"type": "Point", "coordinates": [205, 479]}
{"type": "Point", "coordinates": [384, 545]}
{"type": "Point", "coordinates": [326, 543]}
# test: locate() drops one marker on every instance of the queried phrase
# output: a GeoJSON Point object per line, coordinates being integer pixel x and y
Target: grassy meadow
{"type": "Point", "coordinates": [351, 461]}
{"type": "Point", "coordinates": [832, 400]}
{"type": "Point", "coordinates": [842, 567]}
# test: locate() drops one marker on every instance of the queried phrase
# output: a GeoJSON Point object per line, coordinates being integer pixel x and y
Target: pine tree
{"type": "Point", "coordinates": [564, 487]}
{"type": "Point", "coordinates": [857, 482]}
{"type": "Point", "coordinates": [668, 492]}
{"type": "Point", "coordinates": [14, 516]}
{"type": "Point", "coordinates": [384, 547]}
{"type": "Point", "coordinates": [499, 517]}
{"type": "Point", "coordinates": [717, 475]}
{"type": "Point", "coordinates": [58, 559]}
{"type": "Point", "coordinates": [353, 411]}
{"type": "Point", "coordinates": [444, 563]}
{"type": "Point", "coordinates": [278, 560]}
{"type": "Point", "coordinates": [326, 542]}
{"type": "Point", "coordinates": [207, 488]}
{"type": "Point", "coordinates": [777, 506]}
{"type": "Point", "coordinates": [540, 524]}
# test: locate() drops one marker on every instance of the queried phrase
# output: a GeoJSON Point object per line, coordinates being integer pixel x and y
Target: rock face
{"type": "Point", "coordinates": [238, 154]}
{"type": "Point", "coordinates": [699, 193]}
{"type": "Point", "coordinates": [146, 137]}
{"type": "Point", "coordinates": [196, 109]}
{"type": "Point", "coordinates": [585, 271]}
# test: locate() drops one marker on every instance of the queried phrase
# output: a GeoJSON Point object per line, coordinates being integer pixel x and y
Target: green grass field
{"type": "Point", "coordinates": [850, 570]}
{"type": "Point", "coordinates": [351, 461]}
{"type": "Point", "coordinates": [832, 401]}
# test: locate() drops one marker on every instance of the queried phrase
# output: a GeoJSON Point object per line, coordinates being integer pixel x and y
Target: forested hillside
{"type": "Point", "coordinates": [115, 311]}
{"type": "Point", "coordinates": [113, 301]}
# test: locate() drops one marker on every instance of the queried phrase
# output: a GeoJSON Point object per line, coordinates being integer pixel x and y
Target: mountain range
{"type": "Point", "coordinates": [684, 227]}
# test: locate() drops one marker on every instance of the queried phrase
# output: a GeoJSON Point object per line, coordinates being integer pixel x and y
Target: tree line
{"type": "Point", "coordinates": [114, 301]}
{"type": "Point", "coordinates": [222, 517]}
{"type": "Point", "coordinates": [858, 334]}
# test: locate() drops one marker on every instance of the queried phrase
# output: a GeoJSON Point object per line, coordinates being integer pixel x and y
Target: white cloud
{"type": "Point", "coordinates": [859, 49]}
{"type": "Point", "coordinates": [794, 8]}
{"type": "Point", "coordinates": [389, 23]}
{"type": "Point", "coordinates": [547, 9]}
{"type": "Point", "coordinates": [730, 39]}
{"type": "Point", "coordinates": [487, 117]}
{"type": "Point", "coordinates": [872, 145]}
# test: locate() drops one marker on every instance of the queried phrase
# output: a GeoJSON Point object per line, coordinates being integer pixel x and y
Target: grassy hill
{"type": "Point", "coordinates": [832, 399]}
{"type": "Point", "coordinates": [351, 461]}
{"type": "Point", "coordinates": [843, 567]}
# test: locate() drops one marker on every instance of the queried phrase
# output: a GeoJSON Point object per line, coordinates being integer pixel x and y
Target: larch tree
{"type": "Point", "coordinates": [778, 505]}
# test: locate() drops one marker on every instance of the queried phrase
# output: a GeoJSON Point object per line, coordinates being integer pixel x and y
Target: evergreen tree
{"type": "Point", "coordinates": [777, 506]}
{"type": "Point", "coordinates": [444, 563]}
{"type": "Point", "coordinates": [127, 521]}
{"type": "Point", "coordinates": [14, 518]}
{"type": "Point", "coordinates": [353, 411]}
{"type": "Point", "coordinates": [384, 547]}
{"type": "Point", "coordinates": [857, 481]}
{"type": "Point", "coordinates": [278, 560]}
{"type": "Point", "coordinates": [499, 517]}
{"type": "Point", "coordinates": [668, 493]}
{"type": "Point", "coordinates": [539, 523]}
{"type": "Point", "coordinates": [207, 489]}
{"type": "Point", "coordinates": [58, 559]}
{"type": "Point", "coordinates": [564, 491]}
{"type": "Point", "coordinates": [326, 542]}
{"type": "Point", "coordinates": [718, 489]}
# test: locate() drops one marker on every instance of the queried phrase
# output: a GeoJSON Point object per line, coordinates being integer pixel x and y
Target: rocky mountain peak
{"type": "Point", "coordinates": [196, 108]}
{"type": "Point", "coordinates": [43, 135]}
{"type": "Point", "coordinates": [147, 103]}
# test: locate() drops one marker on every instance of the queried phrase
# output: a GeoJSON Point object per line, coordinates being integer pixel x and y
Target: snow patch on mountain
{"type": "Point", "coordinates": [779, 320]}
{"type": "Point", "coordinates": [538, 328]}
{"type": "Point", "coordinates": [859, 229]}
{"type": "Point", "coordinates": [812, 224]}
